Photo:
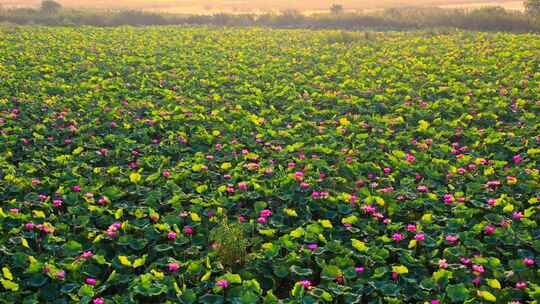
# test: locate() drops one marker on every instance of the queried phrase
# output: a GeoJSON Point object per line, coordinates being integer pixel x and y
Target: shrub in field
{"type": "Point", "coordinates": [532, 6]}
{"type": "Point", "coordinates": [50, 6]}
{"type": "Point", "coordinates": [230, 243]}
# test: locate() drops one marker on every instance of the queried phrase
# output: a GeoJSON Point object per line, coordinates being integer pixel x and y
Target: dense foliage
{"type": "Point", "coordinates": [482, 19]}
{"type": "Point", "coordinates": [166, 165]}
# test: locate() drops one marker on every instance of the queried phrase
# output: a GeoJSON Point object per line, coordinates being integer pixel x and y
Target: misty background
{"type": "Point", "coordinates": [351, 15]}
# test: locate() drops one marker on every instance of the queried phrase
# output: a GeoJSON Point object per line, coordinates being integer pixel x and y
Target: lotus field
{"type": "Point", "coordinates": [205, 165]}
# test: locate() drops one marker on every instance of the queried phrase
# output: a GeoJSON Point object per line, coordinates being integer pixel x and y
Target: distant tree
{"type": "Point", "coordinates": [532, 7]}
{"type": "Point", "coordinates": [50, 6]}
{"type": "Point", "coordinates": [336, 9]}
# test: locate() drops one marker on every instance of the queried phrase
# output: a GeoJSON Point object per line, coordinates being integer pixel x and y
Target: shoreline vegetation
{"type": "Point", "coordinates": [478, 19]}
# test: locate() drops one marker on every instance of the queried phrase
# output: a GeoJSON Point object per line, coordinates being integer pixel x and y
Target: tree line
{"type": "Point", "coordinates": [482, 19]}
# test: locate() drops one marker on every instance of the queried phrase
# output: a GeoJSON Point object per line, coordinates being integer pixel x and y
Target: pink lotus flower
{"type": "Point", "coordinates": [312, 246]}
{"type": "Point", "coordinates": [528, 262]}
{"type": "Point", "coordinates": [465, 261]}
{"type": "Point", "coordinates": [443, 263]}
{"type": "Point", "coordinates": [266, 213]}
{"type": "Point", "coordinates": [517, 159]}
{"type": "Point", "coordinates": [98, 301]}
{"type": "Point", "coordinates": [492, 201]}
{"type": "Point", "coordinates": [493, 183]}
{"type": "Point", "coordinates": [36, 181]}
{"type": "Point", "coordinates": [305, 283]}
{"type": "Point", "coordinates": [173, 267]}
{"type": "Point", "coordinates": [171, 235]}
{"type": "Point", "coordinates": [435, 302]}
{"type": "Point", "coordinates": [420, 236]}
{"type": "Point", "coordinates": [478, 268]}
{"type": "Point", "coordinates": [359, 269]}
{"type": "Point", "coordinates": [87, 254]}
{"type": "Point", "coordinates": [242, 186]}
{"type": "Point", "coordinates": [222, 283]}
{"type": "Point", "coordinates": [410, 158]}
{"type": "Point", "coordinates": [368, 209]}
{"type": "Point", "coordinates": [241, 219]}
{"type": "Point", "coordinates": [57, 202]}
{"type": "Point", "coordinates": [188, 230]}
{"type": "Point", "coordinates": [477, 281]}
{"type": "Point", "coordinates": [411, 227]}
{"type": "Point", "coordinates": [166, 173]}
{"type": "Point", "coordinates": [47, 229]}
{"type": "Point", "coordinates": [517, 216]}
{"type": "Point", "coordinates": [324, 194]}
{"type": "Point", "coordinates": [448, 198]}
{"type": "Point", "coordinates": [521, 285]}
{"type": "Point", "coordinates": [90, 281]}
{"type": "Point", "coordinates": [489, 229]}
{"type": "Point", "coordinates": [304, 185]}
{"type": "Point", "coordinates": [397, 236]}
{"type": "Point", "coordinates": [387, 170]}
{"type": "Point", "coordinates": [291, 165]}
{"type": "Point", "coordinates": [395, 275]}
{"type": "Point", "coordinates": [452, 238]}
{"type": "Point", "coordinates": [113, 229]}
{"type": "Point", "coordinates": [261, 220]}
{"type": "Point", "coordinates": [76, 188]}
{"type": "Point", "coordinates": [378, 215]}
{"type": "Point", "coordinates": [422, 188]}
{"type": "Point", "coordinates": [60, 274]}
{"type": "Point", "coordinates": [29, 226]}
{"type": "Point", "coordinates": [298, 175]}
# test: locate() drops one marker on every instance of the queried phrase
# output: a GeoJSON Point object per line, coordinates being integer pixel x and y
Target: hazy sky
{"type": "Point", "coordinates": [201, 6]}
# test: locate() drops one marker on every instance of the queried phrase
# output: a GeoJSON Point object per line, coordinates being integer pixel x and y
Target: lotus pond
{"type": "Point", "coordinates": [201, 165]}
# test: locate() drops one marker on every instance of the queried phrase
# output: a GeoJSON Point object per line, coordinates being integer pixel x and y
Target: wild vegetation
{"type": "Point", "coordinates": [479, 19]}
{"type": "Point", "coordinates": [204, 165]}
